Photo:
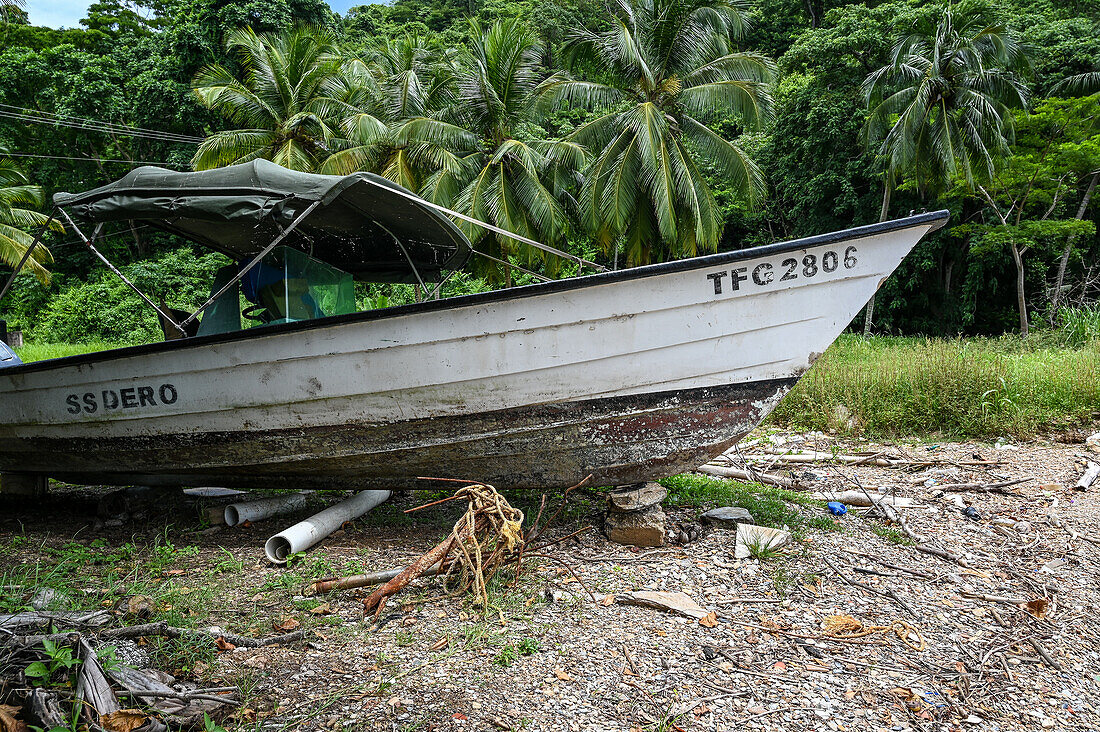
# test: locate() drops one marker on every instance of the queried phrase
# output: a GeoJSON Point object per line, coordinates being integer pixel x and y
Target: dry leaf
{"type": "Point", "coordinates": [440, 644]}
{"type": "Point", "coordinates": [409, 620]}
{"type": "Point", "coordinates": [286, 625]}
{"type": "Point", "coordinates": [562, 676]}
{"type": "Point", "coordinates": [124, 720]}
{"type": "Point", "coordinates": [608, 600]}
{"type": "Point", "coordinates": [780, 666]}
{"type": "Point", "coordinates": [175, 572]}
{"type": "Point", "coordinates": [223, 644]}
{"type": "Point", "coordinates": [459, 716]}
{"type": "Point", "coordinates": [1038, 607]}
{"type": "Point", "coordinates": [709, 620]}
{"type": "Point", "coordinates": [8, 722]}
{"type": "Point", "coordinates": [323, 609]}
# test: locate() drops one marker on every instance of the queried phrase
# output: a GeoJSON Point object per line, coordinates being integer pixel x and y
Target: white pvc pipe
{"type": "Point", "coordinates": [237, 513]}
{"type": "Point", "coordinates": [303, 535]}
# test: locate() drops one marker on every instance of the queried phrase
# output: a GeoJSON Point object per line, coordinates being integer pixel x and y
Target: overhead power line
{"type": "Point", "coordinates": [84, 123]}
{"type": "Point", "coordinates": [93, 160]}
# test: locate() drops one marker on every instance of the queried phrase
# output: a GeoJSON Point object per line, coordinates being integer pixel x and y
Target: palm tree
{"type": "Point", "coordinates": [487, 158]}
{"type": "Point", "coordinates": [294, 94]}
{"type": "Point", "coordinates": [1079, 85]}
{"type": "Point", "coordinates": [401, 79]}
{"type": "Point", "coordinates": [15, 194]}
{"type": "Point", "coordinates": [940, 109]}
{"type": "Point", "coordinates": [671, 73]}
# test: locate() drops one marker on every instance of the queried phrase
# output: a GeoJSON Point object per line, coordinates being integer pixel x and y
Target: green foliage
{"type": "Point", "coordinates": [769, 506]}
{"type": "Point", "coordinates": [510, 653]}
{"type": "Point", "coordinates": [59, 662]}
{"type": "Point", "coordinates": [672, 74]}
{"type": "Point", "coordinates": [290, 98]}
{"type": "Point", "coordinates": [398, 89]}
{"type": "Point", "coordinates": [940, 109]}
{"type": "Point", "coordinates": [17, 220]}
{"type": "Point", "coordinates": [104, 308]}
{"type": "Point", "coordinates": [977, 387]}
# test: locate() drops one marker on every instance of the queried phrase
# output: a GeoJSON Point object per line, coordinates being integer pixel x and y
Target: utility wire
{"type": "Point", "coordinates": [92, 160]}
{"type": "Point", "coordinates": [165, 137]}
{"type": "Point", "coordinates": [66, 120]}
{"type": "Point", "coordinates": [59, 115]}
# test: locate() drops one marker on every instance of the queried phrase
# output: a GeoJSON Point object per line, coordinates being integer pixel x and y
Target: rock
{"type": "Point", "coordinates": [674, 602]}
{"type": "Point", "coordinates": [728, 516]}
{"type": "Point", "coordinates": [1092, 442]}
{"type": "Point", "coordinates": [639, 528]}
{"type": "Point", "coordinates": [758, 538]}
{"type": "Point", "coordinates": [636, 497]}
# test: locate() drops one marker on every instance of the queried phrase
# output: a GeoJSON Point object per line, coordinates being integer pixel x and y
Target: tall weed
{"type": "Point", "coordinates": [975, 387]}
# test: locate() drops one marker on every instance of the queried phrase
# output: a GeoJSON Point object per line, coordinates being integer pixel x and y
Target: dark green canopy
{"type": "Point", "coordinates": [239, 209]}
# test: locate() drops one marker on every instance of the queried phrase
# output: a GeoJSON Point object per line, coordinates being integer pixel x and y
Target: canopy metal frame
{"type": "Point", "coordinates": [90, 243]}
{"type": "Point", "coordinates": [59, 212]}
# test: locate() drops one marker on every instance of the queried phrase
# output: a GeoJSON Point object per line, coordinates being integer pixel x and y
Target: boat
{"type": "Point", "coordinates": [624, 376]}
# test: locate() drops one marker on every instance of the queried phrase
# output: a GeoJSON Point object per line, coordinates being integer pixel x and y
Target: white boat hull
{"type": "Point", "coordinates": [626, 375]}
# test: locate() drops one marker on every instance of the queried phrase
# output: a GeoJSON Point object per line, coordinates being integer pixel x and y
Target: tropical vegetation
{"type": "Point", "coordinates": [628, 132]}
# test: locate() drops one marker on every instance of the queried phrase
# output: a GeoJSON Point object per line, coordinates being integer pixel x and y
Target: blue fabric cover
{"type": "Point", "coordinates": [8, 357]}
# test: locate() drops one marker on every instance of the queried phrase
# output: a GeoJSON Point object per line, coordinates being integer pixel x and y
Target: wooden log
{"type": "Point", "coordinates": [38, 618]}
{"type": "Point", "coordinates": [719, 471]}
{"type": "Point", "coordinates": [866, 500]}
{"type": "Point", "coordinates": [168, 631]}
{"type": "Point", "coordinates": [1092, 471]}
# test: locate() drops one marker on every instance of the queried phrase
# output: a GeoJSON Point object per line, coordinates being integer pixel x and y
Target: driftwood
{"type": "Point", "coordinates": [92, 686]}
{"type": "Point", "coordinates": [862, 498]}
{"type": "Point", "coordinates": [720, 471]}
{"type": "Point", "coordinates": [168, 631]}
{"type": "Point", "coordinates": [885, 592]}
{"type": "Point", "coordinates": [921, 546]}
{"type": "Point", "coordinates": [38, 618]}
{"type": "Point", "coordinates": [323, 586]}
{"type": "Point", "coordinates": [1089, 476]}
{"type": "Point", "coordinates": [47, 707]}
{"type": "Point", "coordinates": [984, 487]}
{"type": "Point", "coordinates": [177, 711]}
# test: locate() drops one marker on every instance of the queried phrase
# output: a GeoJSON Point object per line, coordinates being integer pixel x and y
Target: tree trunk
{"type": "Point", "coordinates": [1064, 261]}
{"type": "Point", "coordinates": [1021, 302]}
{"type": "Point", "coordinates": [869, 311]}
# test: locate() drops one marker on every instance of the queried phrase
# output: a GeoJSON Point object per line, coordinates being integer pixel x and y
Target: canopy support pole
{"type": "Point", "coordinates": [536, 275]}
{"type": "Point", "coordinates": [27, 254]}
{"type": "Point", "coordinates": [504, 232]}
{"type": "Point", "coordinates": [439, 287]}
{"type": "Point", "coordinates": [256, 260]}
{"type": "Point", "coordinates": [89, 243]}
{"type": "Point", "coordinates": [411, 264]}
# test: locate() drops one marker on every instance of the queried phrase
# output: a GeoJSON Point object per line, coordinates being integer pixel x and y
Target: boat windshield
{"type": "Point", "coordinates": [285, 287]}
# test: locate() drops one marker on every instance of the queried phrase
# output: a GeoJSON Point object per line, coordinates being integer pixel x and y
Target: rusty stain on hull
{"type": "Point", "coordinates": [620, 440]}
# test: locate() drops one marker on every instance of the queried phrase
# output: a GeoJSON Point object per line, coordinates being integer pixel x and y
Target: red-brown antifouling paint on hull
{"type": "Point", "coordinates": [618, 440]}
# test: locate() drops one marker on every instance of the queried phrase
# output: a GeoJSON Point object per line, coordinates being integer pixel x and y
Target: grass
{"type": "Point", "coordinates": [42, 351]}
{"type": "Point", "coordinates": [975, 387]}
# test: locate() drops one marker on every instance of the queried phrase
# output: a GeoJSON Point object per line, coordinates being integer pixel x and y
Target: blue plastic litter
{"type": "Point", "coordinates": [836, 508]}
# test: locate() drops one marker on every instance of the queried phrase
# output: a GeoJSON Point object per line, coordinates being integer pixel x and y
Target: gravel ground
{"type": "Point", "coordinates": [950, 649]}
